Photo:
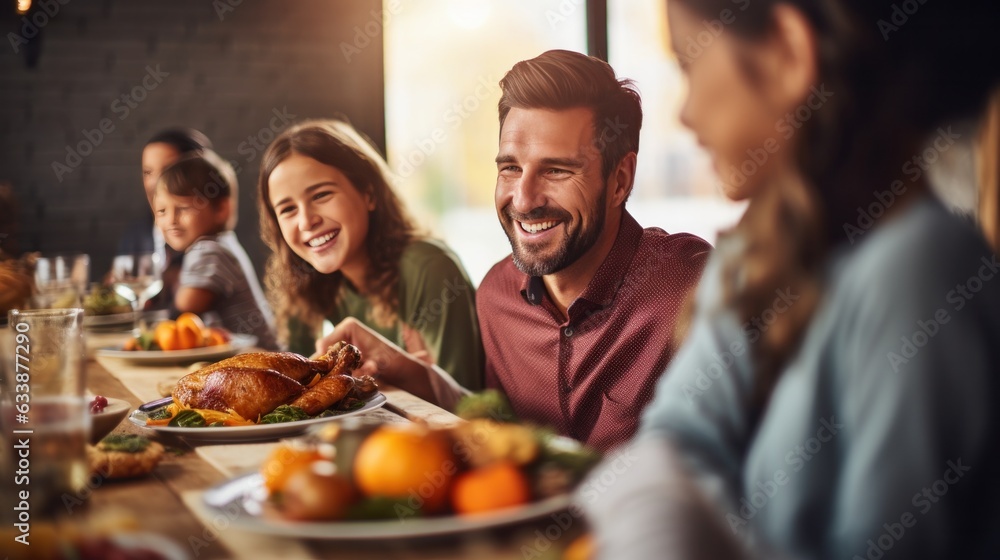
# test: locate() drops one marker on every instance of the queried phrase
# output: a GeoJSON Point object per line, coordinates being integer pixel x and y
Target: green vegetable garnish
{"type": "Point", "coordinates": [129, 443]}
{"type": "Point", "coordinates": [187, 419]}
{"type": "Point", "coordinates": [217, 425]}
{"type": "Point", "coordinates": [490, 404]}
{"type": "Point", "coordinates": [146, 342]}
{"type": "Point", "coordinates": [161, 413]}
{"type": "Point", "coordinates": [284, 413]}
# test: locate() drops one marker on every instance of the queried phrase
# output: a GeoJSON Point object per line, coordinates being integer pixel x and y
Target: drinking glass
{"type": "Point", "coordinates": [44, 408]}
{"type": "Point", "coordinates": [61, 280]}
{"type": "Point", "coordinates": [139, 273]}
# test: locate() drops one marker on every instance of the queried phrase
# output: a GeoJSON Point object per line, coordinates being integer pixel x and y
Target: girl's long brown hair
{"type": "Point", "coordinates": [295, 287]}
{"type": "Point", "coordinates": [890, 89]}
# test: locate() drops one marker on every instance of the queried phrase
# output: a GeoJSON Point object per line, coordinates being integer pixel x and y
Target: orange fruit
{"type": "Point", "coordinates": [165, 336]}
{"type": "Point", "coordinates": [407, 462]}
{"type": "Point", "coordinates": [283, 462]}
{"type": "Point", "coordinates": [582, 548]}
{"type": "Point", "coordinates": [191, 332]}
{"type": "Point", "coordinates": [217, 337]}
{"type": "Point", "coordinates": [497, 486]}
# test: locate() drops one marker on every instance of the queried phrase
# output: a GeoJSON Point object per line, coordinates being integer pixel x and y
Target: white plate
{"type": "Point", "coordinates": [258, 432]}
{"type": "Point", "coordinates": [103, 321]}
{"type": "Point", "coordinates": [246, 494]}
{"type": "Point", "coordinates": [159, 357]}
{"type": "Point", "coordinates": [154, 542]}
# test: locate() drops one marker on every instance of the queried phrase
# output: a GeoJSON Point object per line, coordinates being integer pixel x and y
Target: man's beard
{"type": "Point", "coordinates": [576, 242]}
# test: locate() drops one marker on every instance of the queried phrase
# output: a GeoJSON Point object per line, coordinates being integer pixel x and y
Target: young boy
{"type": "Point", "coordinates": [194, 204]}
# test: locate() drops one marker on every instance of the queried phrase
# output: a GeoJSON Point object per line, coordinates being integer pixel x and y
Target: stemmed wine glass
{"type": "Point", "coordinates": [140, 274]}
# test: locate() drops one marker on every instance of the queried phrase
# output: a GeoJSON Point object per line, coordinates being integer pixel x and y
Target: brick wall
{"type": "Point", "coordinates": [227, 67]}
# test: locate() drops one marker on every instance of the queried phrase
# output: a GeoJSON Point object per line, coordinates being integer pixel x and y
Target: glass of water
{"type": "Point", "coordinates": [44, 408]}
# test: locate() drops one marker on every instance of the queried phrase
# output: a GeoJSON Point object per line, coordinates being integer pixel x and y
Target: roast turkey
{"type": "Point", "coordinates": [256, 383]}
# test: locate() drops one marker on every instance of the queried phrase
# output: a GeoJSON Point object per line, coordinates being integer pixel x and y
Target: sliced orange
{"type": "Point", "coordinates": [165, 336]}
{"type": "Point", "coordinates": [191, 331]}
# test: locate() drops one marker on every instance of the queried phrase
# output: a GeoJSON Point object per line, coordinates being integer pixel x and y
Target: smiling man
{"type": "Point", "coordinates": [579, 322]}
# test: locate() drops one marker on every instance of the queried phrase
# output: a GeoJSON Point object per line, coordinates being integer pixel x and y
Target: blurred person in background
{"type": "Point", "coordinates": [858, 419]}
{"type": "Point", "coordinates": [142, 236]}
{"type": "Point", "coordinates": [193, 205]}
{"type": "Point", "coordinates": [344, 248]}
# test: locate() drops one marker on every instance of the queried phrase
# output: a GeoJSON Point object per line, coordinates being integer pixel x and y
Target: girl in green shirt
{"type": "Point", "coordinates": [343, 246]}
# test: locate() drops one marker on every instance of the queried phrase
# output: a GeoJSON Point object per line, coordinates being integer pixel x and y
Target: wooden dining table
{"type": "Point", "coordinates": [169, 502]}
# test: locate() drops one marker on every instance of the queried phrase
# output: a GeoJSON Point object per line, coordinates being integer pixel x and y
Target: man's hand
{"type": "Point", "coordinates": [378, 354]}
{"type": "Point", "coordinates": [383, 359]}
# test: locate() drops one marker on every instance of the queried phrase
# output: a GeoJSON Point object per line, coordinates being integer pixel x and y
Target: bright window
{"type": "Point", "coordinates": [443, 60]}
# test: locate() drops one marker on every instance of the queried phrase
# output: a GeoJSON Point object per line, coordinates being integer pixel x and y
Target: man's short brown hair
{"type": "Point", "coordinates": [559, 80]}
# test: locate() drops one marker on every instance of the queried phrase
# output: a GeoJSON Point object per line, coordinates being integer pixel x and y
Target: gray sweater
{"type": "Point", "coordinates": [879, 439]}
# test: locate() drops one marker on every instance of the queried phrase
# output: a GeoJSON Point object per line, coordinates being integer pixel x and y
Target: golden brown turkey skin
{"type": "Point", "coordinates": [290, 364]}
{"type": "Point", "coordinates": [250, 392]}
{"type": "Point", "coordinates": [323, 394]}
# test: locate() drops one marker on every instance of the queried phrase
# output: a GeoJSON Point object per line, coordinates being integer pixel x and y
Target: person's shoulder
{"type": "Point", "coordinates": [922, 260]}
{"type": "Point", "coordinates": [924, 245]}
{"type": "Point", "coordinates": [675, 249]}
{"type": "Point", "coordinates": [421, 250]}
{"type": "Point", "coordinates": [212, 246]}
{"type": "Point", "coordinates": [503, 278]}
{"type": "Point", "coordinates": [687, 243]}
{"type": "Point", "coordinates": [427, 257]}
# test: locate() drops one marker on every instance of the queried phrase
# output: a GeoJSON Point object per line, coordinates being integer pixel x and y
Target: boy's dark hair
{"type": "Point", "coordinates": [205, 176]}
{"type": "Point", "coordinates": [184, 140]}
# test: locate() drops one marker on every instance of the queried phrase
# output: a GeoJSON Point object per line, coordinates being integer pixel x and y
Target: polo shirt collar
{"type": "Point", "coordinates": [601, 290]}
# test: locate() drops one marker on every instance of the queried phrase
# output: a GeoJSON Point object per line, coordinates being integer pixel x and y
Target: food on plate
{"type": "Point", "coordinates": [397, 459]}
{"type": "Point", "coordinates": [124, 456]}
{"type": "Point", "coordinates": [317, 492]}
{"type": "Point", "coordinates": [266, 388]}
{"type": "Point", "coordinates": [515, 443]}
{"type": "Point", "coordinates": [98, 404]}
{"type": "Point", "coordinates": [497, 486]}
{"type": "Point", "coordinates": [17, 282]}
{"type": "Point", "coordinates": [490, 404]}
{"type": "Point", "coordinates": [582, 548]}
{"type": "Point", "coordinates": [186, 333]}
{"type": "Point", "coordinates": [411, 470]}
{"type": "Point", "coordinates": [104, 300]}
